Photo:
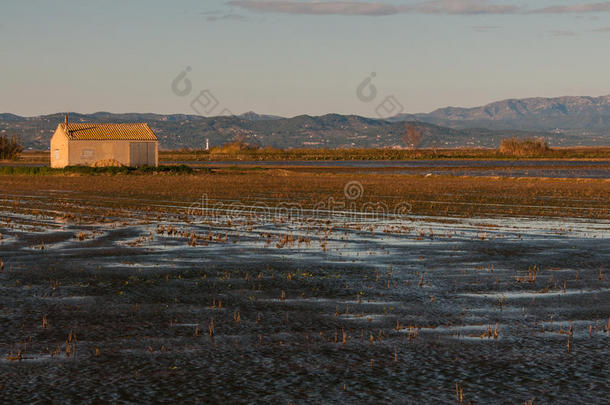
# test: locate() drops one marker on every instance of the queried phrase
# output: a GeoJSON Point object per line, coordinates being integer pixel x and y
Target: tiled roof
{"type": "Point", "coordinates": [122, 132]}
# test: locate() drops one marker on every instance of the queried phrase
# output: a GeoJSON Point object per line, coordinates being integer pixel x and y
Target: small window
{"type": "Point", "coordinates": [87, 154]}
{"type": "Point", "coordinates": [56, 153]}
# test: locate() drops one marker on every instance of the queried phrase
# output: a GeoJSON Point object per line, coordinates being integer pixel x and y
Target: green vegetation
{"type": "Point", "coordinates": [9, 148]}
{"type": "Point", "coordinates": [86, 170]}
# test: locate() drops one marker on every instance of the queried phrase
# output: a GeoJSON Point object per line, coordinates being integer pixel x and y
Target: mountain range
{"type": "Point", "coordinates": [539, 114]}
{"type": "Point", "coordinates": [565, 121]}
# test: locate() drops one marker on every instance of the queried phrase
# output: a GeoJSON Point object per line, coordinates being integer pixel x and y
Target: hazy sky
{"type": "Point", "coordinates": [295, 57]}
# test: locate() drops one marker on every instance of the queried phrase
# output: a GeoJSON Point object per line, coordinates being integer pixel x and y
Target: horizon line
{"type": "Point", "coordinates": [307, 114]}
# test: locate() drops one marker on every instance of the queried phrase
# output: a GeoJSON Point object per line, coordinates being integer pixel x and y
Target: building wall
{"type": "Point", "coordinates": [59, 149]}
{"type": "Point", "coordinates": [155, 158]}
{"type": "Point", "coordinates": [88, 152]}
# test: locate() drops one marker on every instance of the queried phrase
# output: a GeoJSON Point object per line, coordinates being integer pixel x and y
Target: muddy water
{"type": "Point", "coordinates": [302, 311]}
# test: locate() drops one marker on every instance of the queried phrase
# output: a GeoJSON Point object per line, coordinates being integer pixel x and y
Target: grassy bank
{"type": "Point", "coordinates": [85, 170]}
{"type": "Point", "coordinates": [269, 154]}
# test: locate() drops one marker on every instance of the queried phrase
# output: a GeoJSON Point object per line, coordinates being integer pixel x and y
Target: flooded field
{"type": "Point", "coordinates": [115, 295]}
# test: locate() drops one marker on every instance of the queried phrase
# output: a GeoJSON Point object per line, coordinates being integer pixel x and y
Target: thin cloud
{"type": "Point", "coordinates": [581, 8]}
{"type": "Point", "coordinates": [562, 33]}
{"type": "Point", "coordinates": [440, 7]}
{"type": "Point", "coordinates": [485, 28]}
{"type": "Point", "coordinates": [460, 7]}
{"type": "Point", "coordinates": [321, 8]}
{"type": "Point", "coordinates": [235, 17]}
{"type": "Point", "coordinates": [374, 9]}
{"type": "Point", "coordinates": [604, 29]}
{"type": "Point", "coordinates": [219, 15]}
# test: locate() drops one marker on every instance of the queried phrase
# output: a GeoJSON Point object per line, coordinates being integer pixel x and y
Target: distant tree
{"type": "Point", "coordinates": [524, 147]}
{"type": "Point", "coordinates": [9, 148]}
{"type": "Point", "coordinates": [238, 145]}
{"type": "Point", "coordinates": [412, 136]}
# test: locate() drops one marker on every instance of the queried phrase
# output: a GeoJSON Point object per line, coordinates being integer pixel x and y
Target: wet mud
{"type": "Point", "coordinates": [134, 306]}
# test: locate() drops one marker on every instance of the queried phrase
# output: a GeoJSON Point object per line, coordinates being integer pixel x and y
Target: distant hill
{"type": "Point", "coordinates": [572, 115]}
{"type": "Point", "coordinates": [327, 131]}
{"type": "Point", "coordinates": [10, 117]}
{"type": "Point", "coordinates": [564, 121]}
{"type": "Point", "coordinates": [252, 116]}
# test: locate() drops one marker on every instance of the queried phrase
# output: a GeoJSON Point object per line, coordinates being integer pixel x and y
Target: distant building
{"type": "Point", "coordinates": [104, 145]}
